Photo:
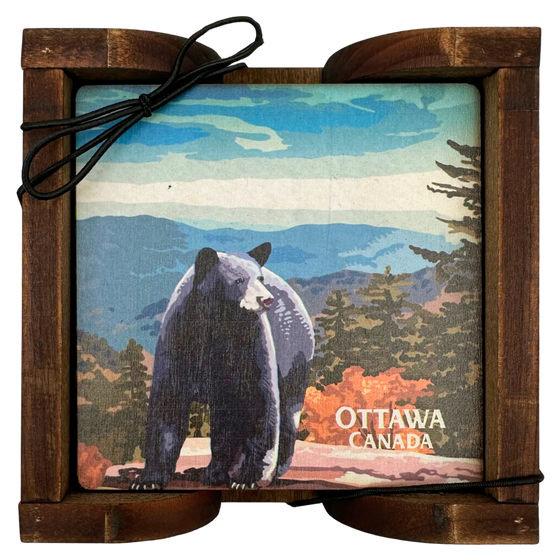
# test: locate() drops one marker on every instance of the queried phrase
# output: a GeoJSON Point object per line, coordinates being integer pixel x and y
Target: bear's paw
{"type": "Point", "coordinates": [239, 486]}
{"type": "Point", "coordinates": [145, 486]}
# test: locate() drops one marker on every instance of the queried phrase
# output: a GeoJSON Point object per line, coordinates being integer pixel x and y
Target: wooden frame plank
{"type": "Point", "coordinates": [116, 517]}
{"type": "Point", "coordinates": [47, 256]}
{"type": "Point", "coordinates": [109, 54]}
{"type": "Point", "coordinates": [456, 53]}
{"type": "Point", "coordinates": [511, 212]}
{"type": "Point", "coordinates": [507, 59]}
{"type": "Point", "coordinates": [437, 518]}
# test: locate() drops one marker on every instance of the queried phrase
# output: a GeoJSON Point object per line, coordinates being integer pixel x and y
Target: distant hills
{"type": "Point", "coordinates": [314, 291]}
{"type": "Point", "coordinates": [127, 267]}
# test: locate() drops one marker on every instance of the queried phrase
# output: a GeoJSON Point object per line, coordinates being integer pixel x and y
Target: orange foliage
{"type": "Point", "coordinates": [359, 392]}
{"type": "Point", "coordinates": [91, 466]}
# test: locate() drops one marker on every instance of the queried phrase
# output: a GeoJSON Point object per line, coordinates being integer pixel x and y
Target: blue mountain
{"type": "Point", "coordinates": [127, 267]}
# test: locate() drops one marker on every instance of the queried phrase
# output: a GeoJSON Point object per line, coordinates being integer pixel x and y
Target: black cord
{"type": "Point", "coordinates": [420, 489]}
{"type": "Point", "coordinates": [127, 112]}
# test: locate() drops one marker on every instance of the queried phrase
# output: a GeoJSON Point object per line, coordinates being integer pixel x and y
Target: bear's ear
{"type": "Point", "coordinates": [261, 253]}
{"type": "Point", "coordinates": [205, 260]}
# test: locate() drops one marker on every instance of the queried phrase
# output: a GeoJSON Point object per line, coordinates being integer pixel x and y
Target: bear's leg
{"type": "Point", "coordinates": [166, 431]}
{"type": "Point", "coordinates": [238, 446]}
{"type": "Point", "coordinates": [292, 395]}
{"type": "Point", "coordinates": [244, 442]}
{"type": "Point", "coordinates": [224, 445]}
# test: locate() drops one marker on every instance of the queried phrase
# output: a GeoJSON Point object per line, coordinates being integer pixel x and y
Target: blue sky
{"type": "Point", "coordinates": [281, 147]}
{"type": "Point", "coordinates": [363, 122]}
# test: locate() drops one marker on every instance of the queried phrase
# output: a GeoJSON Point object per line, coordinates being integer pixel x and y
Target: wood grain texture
{"type": "Point", "coordinates": [279, 495]}
{"type": "Point", "coordinates": [116, 517]}
{"type": "Point", "coordinates": [511, 187]}
{"type": "Point", "coordinates": [274, 76]}
{"type": "Point", "coordinates": [47, 257]}
{"type": "Point", "coordinates": [108, 54]}
{"type": "Point", "coordinates": [438, 518]}
{"type": "Point", "coordinates": [441, 53]}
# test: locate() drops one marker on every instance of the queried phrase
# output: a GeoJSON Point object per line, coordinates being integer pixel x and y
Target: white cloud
{"type": "Point", "coordinates": [231, 124]}
{"type": "Point", "coordinates": [403, 192]}
{"type": "Point", "coordinates": [241, 102]}
{"type": "Point", "coordinates": [270, 145]}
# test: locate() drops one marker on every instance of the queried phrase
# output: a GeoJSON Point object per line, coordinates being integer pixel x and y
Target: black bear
{"type": "Point", "coordinates": [237, 337]}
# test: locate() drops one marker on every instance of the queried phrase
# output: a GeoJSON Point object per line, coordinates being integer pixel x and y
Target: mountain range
{"type": "Point", "coordinates": [127, 267]}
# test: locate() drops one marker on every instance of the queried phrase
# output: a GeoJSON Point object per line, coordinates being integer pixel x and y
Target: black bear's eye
{"type": "Point", "coordinates": [240, 281]}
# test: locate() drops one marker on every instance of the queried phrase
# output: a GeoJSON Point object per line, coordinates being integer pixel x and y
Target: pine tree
{"type": "Point", "coordinates": [134, 399]}
{"type": "Point", "coordinates": [97, 366]}
{"type": "Point", "coordinates": [384, 331]}
{"type": "Point", "coordinates": [335, 344]}
{"type": "Point", "coordinates": [112, 397]}
{"type": "Point", "coordinates": [461, 267]}
{"type": "Point", "coordinates": [199, 420]}
{"type": "Point", "coordinates": [451, 341]}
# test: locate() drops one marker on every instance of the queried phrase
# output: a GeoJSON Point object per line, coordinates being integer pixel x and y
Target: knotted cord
{"type": "Point", "coordinates": [128, 113]}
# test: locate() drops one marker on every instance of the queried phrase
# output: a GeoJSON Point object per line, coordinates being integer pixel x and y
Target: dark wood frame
{"type": "Point", "coordinates": [503, 62]}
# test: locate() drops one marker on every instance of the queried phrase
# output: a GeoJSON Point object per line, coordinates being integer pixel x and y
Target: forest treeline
{"type": "Point", "coordinates": [384, 336]}
{"type": "Point", "coordinates": [387, 331]}
{"type": "Point", "coordinates": [112, 397]}
{"type": "Point", "coordinates": [113, 393]}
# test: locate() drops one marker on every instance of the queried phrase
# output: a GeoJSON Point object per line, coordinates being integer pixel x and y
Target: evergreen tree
{"type": "Point", "coordinates": [199, 420]}
{"type": "Point", "coordinates": [451, 341]}
{"type": "Point", "coordinates": [375, 336]}
{"type": "Point", "coordinates": [385, 330]}
{"type": "Point", "coordinates": [134, 399]}
{"type": "Point", "coordinates": [335, 346]}
{"type": "Point", "coordinates": [112, 397]}
{"type": "Point", "coordinates": [95, 392]}
{"type": "Point", "coordinates": [461, 267]}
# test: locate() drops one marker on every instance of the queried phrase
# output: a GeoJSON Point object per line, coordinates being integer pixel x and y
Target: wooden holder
{"type": "Point", "coordinates": [503, 62]}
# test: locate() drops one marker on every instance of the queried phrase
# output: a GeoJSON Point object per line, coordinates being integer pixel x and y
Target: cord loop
{"type": "Point", "coordinates": [127, 113]}
{"type": "Point", "coordinates": [144, 101]}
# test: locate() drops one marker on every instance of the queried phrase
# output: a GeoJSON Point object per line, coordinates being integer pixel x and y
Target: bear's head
{"type": "Point", "coordinates": [236, 276]}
